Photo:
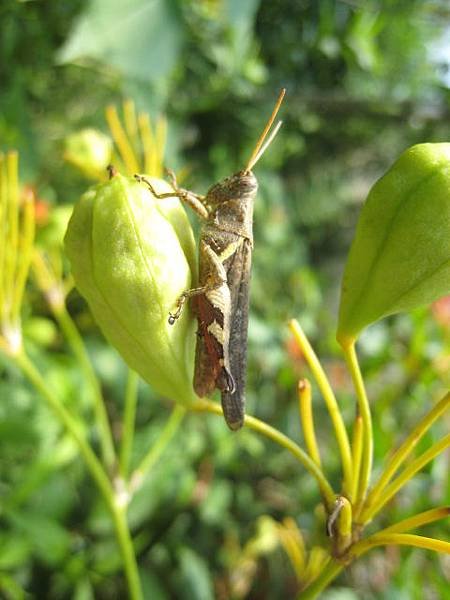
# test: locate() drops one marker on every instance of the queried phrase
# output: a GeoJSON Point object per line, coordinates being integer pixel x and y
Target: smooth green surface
{"type": "Point", "coordinates": [400, 257]}
{"type": "Point", "coordinates": [131, 267]}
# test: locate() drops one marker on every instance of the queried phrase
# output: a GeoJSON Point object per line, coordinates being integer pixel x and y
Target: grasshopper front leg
{"type": "Point", "coordinates": [195, 201]}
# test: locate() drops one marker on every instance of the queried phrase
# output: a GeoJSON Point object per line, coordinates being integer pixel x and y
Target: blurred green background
{"type": "Point", "coordinates": [364, 81]}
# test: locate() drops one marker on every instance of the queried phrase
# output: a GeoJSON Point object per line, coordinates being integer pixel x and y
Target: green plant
{"type": "Point", "coordinates": [392, 234]}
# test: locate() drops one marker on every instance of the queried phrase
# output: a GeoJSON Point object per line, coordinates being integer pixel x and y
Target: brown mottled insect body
{"type": "Point", "coordinates": [222, 311]}
{"type": "Point", "coordinates": [221, 300]}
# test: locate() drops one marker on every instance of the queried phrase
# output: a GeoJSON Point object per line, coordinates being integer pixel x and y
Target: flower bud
{"type": "Point", "coordinates": [89, 151]}
{"type": "Point", "coordinates": [132, 256]}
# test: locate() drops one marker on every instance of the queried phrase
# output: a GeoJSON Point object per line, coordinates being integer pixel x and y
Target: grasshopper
{"type": "Point", "coordinates": [221, 300]}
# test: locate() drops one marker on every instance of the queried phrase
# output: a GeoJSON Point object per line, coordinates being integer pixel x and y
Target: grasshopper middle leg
{"type": "Point", "coordinates": [216, 279]}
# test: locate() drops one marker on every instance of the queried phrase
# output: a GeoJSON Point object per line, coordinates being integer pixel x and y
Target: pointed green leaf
{"type": "Point", "coordinates": [400, 257]}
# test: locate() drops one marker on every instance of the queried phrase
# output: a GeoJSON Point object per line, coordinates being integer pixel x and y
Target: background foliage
{"type": "Point", "coordinates": [365, 81]}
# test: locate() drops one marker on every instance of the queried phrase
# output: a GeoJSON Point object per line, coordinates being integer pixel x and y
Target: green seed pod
{"type": "Point", "coordinates": [131, 257]}
{"type": "Point", "coordinates": [90, 151]}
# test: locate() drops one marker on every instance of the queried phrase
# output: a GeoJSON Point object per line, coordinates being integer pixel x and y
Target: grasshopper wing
{"type": "Point", "coordinates": [238, 272]}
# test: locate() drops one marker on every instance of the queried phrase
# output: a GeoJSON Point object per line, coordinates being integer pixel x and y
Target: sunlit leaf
{"type": "Point", "coordinates": [140, 38]}
{"type": "Point", "coordinates": [400, 257]}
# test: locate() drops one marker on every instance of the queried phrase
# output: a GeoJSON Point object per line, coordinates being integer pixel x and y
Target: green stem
{"type": "Point", "coordinates": [408, 473]}
{"type": "Point", "coordinates": [128, 555]}
{"type": "Point", "coordinates": [128, 422]}
{"type": "Point", "coordinates": [357, 446]}
{"type": "Point", "coordinates": [423, 518]}
{"type": "Point", "coordinates": [25, 249]}
{"type": "Point", "coordinates": [96, 470]}
{"type": "Point", "coordinates": [330, 572]}
{"type": "Point", "coordinates": [166, 434]}
{"type": "Point", "coordinates": [307, 420]}
{"type": "Point", "coordinates": [92, 463]}
{"type": "Point", "coordinates": [12, 231]}
{"type": "Point", "coordinates": [292, 541]}
{"type": "Point", "coordinates": [333, 568]}
{"type": "Point", "coordinates": [76, 343]}
{"type": "Point", "coordinates": [3, 234]}
{"type": "Point", "coordinates": [367, 433]}
{"type": "Point", "coordinates": [403, 452]}
{"type": "Point", "coordinates": [330, 401]}
{"type": "Point", "coordinates": [402, 539]}
{"type": "Point", "coordinates": [282, 440]}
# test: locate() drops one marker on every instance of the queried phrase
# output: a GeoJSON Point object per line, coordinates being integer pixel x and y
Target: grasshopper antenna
{"type": "Point", "coordinates": [262, 144]}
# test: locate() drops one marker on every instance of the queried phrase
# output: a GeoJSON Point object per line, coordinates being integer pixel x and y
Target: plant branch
{"type": "Point", "coordinates": [357, 446]}
{"type": "Point", "coordinates": [129, 416]}
{"type": "Point", "coordinates": [128, 554]}
{"type": "Point", "coordinates": [96, 471]}
{"type": "Point", "coordinates": [52, 288]}
{"type": "Point", "coordinates": [367, 433]}
{"type": "Point", "coordinates": [165, 436]}
{"type": "Point", "coordinates": [330, 401]}
{"type": "Point", "coordinates": [25, 250]}
{"type": "Point", "coordinates": [404, 451]}
{"type": "Point", "coordinates": [11, 210]}
{"type": "Point", "coordinates": [386, 537]}
{"type": "Point", "coordinates": [402, 539]}
{"type": "Point", "coordinates": [330, 572]}
{"type": "Point", "coordinates": [307, 420]}
{"type": "Point", "coordinates": [79, 349]}
{"type": "Point", "coordinates": [408, 473]}
{"type": "Point", "coordinates": [423, 518]}
{"type": "Point", "coordinates": [292, 541]}
{"type": "Point", "coordinates": [282, 440]}
{"type": "Point", "coordinates": [92, 462]}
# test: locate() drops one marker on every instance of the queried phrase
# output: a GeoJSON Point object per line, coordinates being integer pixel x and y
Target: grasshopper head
{"type": "Point", "coordinates": [234, 187]}
{"type": "Point", "coordinates": [243, 185]}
